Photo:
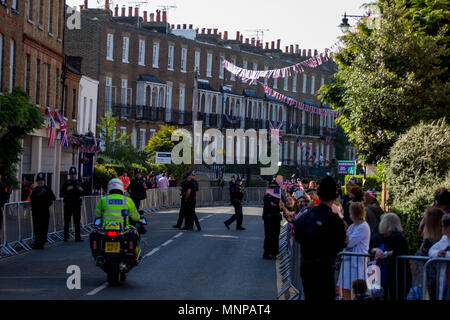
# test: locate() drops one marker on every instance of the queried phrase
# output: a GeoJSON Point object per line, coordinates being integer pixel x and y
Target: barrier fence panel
{"type": "Point", "coordinates": [408, 272]}
{"type": "Point", "coordinates": [26, 225]}
{"type": "Point", "coordinates": [11, 227]}
{"type": "Point", "coordinates": [436, 279]}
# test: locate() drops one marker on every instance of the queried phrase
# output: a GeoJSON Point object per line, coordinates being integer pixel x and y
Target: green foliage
{"type": "Point", "coordinates": [340, 143]}
{"type": "Point", "coordinates": [161, 142]}
{"type": "Point", "coordinates": [393, 77]}
{"type": "Point", "coordinates": [418, 164]}
{"type": "Point", "coordinates": [381, 171]}
{"type": "Point", "coordinates": [112, 142]}
{"type": "Point", "coordinates": [369, 183]}
{"type": "Point", "coordinates": [18, 118]}
{"type": "Point", "coordinates": [102, 175]}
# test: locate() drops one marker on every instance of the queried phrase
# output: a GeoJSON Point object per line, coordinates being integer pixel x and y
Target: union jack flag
{"type": "Point", "coordinates": [286, 185]}
{"type": "Point", "coordinates": [275, 125]}
{"type": "Point", "coordinates": [52, 134]}
{"type": "Point", "coordinates": [64, 140]}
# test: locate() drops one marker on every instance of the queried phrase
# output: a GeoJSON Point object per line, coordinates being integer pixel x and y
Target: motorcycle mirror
{"type": "Point", "coordinates": [124, 213]}
{"type": "Point", "coordinates": [144, 221]}
{"type": "Point", "coordinates": [98, 222]}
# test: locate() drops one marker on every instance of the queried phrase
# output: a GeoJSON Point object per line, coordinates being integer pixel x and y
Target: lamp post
{"type": "Point", "coordinates": [345, 26]}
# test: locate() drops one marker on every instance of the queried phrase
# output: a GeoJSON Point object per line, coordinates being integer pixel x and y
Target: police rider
{"type": "Point", "coordinates": [110, 208]}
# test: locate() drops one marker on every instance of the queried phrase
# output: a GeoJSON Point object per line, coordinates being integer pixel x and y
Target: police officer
{"type": "Point", "coordinates": [72, 192]}
{"type": "Point", "coordinates": [137, 188]}
{"type": "Point", "coordinates": [41, 200]}
{"type": "Point", "coordinates": [110, 207]}
{"type": "Point", "coordinates": [321, 234]}
{"type": "Point", "coordinates": [237, 195]}
{"type": "Point", "coordinates": [272, 218]}
{"type": "Point", "coordinates": [189, 189]}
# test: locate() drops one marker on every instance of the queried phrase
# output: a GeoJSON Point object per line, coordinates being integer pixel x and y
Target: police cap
{"type": "Point", "coordinates": [40, 176]}
{"type": "Point", "coordinates": [72, 170]}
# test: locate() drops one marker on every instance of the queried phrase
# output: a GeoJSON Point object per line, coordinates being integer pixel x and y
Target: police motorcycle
{"type": "Point", "coordinates": [116, 251]}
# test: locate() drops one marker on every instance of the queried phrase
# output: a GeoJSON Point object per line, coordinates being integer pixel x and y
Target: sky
{"type": "Point", "coordinates": [311, 24]}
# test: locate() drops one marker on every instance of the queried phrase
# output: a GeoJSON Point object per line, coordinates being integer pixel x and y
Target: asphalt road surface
{"type": "Point", "coordinates": [214, 263]}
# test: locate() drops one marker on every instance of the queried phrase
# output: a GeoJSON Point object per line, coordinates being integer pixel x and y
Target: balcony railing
{"type": "Point", "coordinates": [154, 114]}
{"type": "Point", "coordinates": [209, 119]}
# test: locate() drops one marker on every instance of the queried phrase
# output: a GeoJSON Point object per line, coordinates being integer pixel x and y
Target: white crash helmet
{"type": "Point", "coordinates": [115, 184]}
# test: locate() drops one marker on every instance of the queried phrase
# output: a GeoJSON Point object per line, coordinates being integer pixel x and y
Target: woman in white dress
{"type": "Point", "coordinates": [358, 238]}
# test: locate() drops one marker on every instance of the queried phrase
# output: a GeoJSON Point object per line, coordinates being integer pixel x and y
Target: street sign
{"type": "Point", "coordinates": [346, 167]}
{"type": "Point", "coordinates": [164, 157]}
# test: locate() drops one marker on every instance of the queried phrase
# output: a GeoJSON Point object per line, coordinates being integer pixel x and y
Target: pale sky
{"type": "Point", "coordinates": [311, 24]}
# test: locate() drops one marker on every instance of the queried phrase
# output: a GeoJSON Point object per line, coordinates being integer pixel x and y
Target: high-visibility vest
{"type": "Point", "coordinates": [125, 181]}
{"type": "Point", "coordinates": [31, 191]}
{"type": "Point", "coordinates": [110, 209]}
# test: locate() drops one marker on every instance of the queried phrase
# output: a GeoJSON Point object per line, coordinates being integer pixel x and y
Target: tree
{"type": "Point", "coordinates": [18, 118]}
{"type": "Point", "coordinates": [392, 77]}
{"type": "Point", "coordinates": [161, 142]}
{"type": "Point", "coordinates": [111, 140]}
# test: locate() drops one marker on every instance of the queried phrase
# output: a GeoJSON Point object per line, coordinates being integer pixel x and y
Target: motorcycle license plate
{"type": "Point", "coordinates": [112, 247]}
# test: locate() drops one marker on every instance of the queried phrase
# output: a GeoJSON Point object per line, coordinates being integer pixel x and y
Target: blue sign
{"type": "Point", "coordinates": [346, 167]}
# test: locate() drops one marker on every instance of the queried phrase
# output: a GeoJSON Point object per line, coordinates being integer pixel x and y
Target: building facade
{"type": "Point", "coordinates": [145, 69]}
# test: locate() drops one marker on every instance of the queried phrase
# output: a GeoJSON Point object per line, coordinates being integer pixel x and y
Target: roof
{"type": "Point", "coordinates": [148, 78]}
{"type": "Point", "coordinates": [250, 93]}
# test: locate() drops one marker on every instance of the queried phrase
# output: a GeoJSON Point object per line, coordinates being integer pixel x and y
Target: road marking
{"type": "Point", "coordinates": [208, 216]}
{"type": "Point", "coordinates": [167, 242]}
{"type": "Point", "coordinates": [96, 290]}
{"type": "Point", "coordinates": [178, 235]}
{"type": "Point", "coordinates": [220, 236]}
{"type": "Point", "coordinates": [201, 219]}
{"type": "Point", "coordinates": [151, 252]}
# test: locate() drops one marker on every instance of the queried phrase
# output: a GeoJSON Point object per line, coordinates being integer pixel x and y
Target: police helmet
{"type": "Point", "coordinates": [115, 184]}
{"type": "Point", "coordinates": [72, 170]}
{"type": "Point", "coordinates": [137, 170]}
{"type": "Point", "coordinates": [40, 176]}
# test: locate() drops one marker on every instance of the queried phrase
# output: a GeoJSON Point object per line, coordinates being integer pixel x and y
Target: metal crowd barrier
{"type": "Point", "coordinates": [17, 227]}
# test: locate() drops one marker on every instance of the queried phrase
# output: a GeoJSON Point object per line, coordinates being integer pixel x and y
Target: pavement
{"type": "Point", "coordinates": [214, 264]}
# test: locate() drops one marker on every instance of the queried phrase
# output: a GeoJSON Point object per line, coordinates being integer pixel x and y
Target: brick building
{"type": "Point", "coordinates": [145, 67]}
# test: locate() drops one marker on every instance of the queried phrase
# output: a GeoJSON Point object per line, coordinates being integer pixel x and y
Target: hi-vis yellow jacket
{"type": "Point", "coordinates": [110, 208]}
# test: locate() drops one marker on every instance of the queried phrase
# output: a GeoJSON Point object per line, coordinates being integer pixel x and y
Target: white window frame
{"type": "Point", "coordinates": [322, 81]}
{"type": "Point", "coordinates": [232, 76]}
{"type": "Point", "coordinates": [141, 59]}
{"type": "Point", "coordinates": [49, 20]}
{"type": "Point", "coordinates": [266, 80]}
{"type": "Point", "coordinates": [182, 98]}
{"type": "Point", "coordinates": [286, 83]}
{"type": "Point", "coordinates": [209, 58]}
{"type": "Point", "coordinates": [183, 59]}
{"type": "Point", "coordinates": [29, 11]}
{"type": "Point", "coordinates": [221, 68]}
{"type": "Point", "coordinates": [197, 61]}
{"type": "Point", "coordinates": [155, 63]}
{"type": "Point", "coordinates": [275, 83]}
{"type": "Point", "coordinates": [14, 4]}
{"type": "Point", "coordinates": [313, 84]}
{"type": "Point", "coordinates": [244, 66]}
{"type": "Point", "coordinates": [47, 75]}
{"type": "Point", "coordinates": [12, 58]}
{"type": "Point", "coordinates": [255, 67]}
{"type": "Point", "coordinates": [134, 138]}
{"type": "Point", "coordinates": [169, 96]}
{"type": "Point", "coordinates": [108, 103]}
{"type": "Point", "coordinates": [170, 53]}
{"type": "Point", "coordinates": [110, 47]}
{"type": "Point", "coordinates": [142, 139]}
{"type": "Point", "coordinates": [122, 131]}
{"type": "Point", "coordinates": [294, 83]}
{"type": "Point", "coordinates": [124, 92]}
{"type": "Point", "coordinates": [125, 49]}
{"type": "Point", "coordinates": [305, 80]}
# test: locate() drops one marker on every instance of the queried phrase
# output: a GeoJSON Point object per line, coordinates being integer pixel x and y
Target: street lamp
{"type": "Point", "coordinates": [345, 26]}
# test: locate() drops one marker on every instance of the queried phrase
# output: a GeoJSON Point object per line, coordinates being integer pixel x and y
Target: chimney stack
{"type": "Point", "coordinates": [273, 45]}
{"type": "Point", "coordinates": [130, 11]}
{"type": "Point", "coordinates": [304, 53]}
{"type": "Point", "coordinates": [123, 11]}
{"type": "Point", "coordinates": [136, 12]}
{"type": "Point", "coordinates": [164, 17]}
{"type": "Point", "coordinates": [86, 4]}
{"type": "Point", "coordinates": [247, 40]}
{"type": "Point", "coordinates": [297, 50]}
{"type": "Point", "coordinates": [267, 45]}
{"type": "Point", "coordinates": [116, 10]}
{"type": "Point", "coordinates": [278, 44]}
{"type": "Point", "coordinates": [287, 49]}
{"type": "Point", "coordinates": [225, 35]}
{"type": "Point", "coordinates": [253, 41]}
{"type": "Point", "coordinates": [158, 15]}
{"type": "Point", "coordinates": [292, 48]}
{"type": "Point", "coordinates": [145, 16]}
{"type": "Point", "coordinates": [237, 35]}
{"type": "Point", "coordinates": [309, 52]}
{"type": "Point", "coordinates": [315, 52]}
{"type": "Point", "coordinates": [106, 4]}
{"type": "Point", "coordinates": [152, 17]}
{"type": "Point", "coordinates": [241, 38]}
{"type": "Point", "coordinates": [220, 35]}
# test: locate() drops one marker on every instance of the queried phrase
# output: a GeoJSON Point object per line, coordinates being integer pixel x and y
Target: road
{"type": "Point", "coordinates": [214, 263]}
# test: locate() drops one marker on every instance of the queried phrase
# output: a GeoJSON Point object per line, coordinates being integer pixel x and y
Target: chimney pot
{"type": "Point", "coordinates": [178, 26]}
{"type": "Point", "coordinates": [158, 15]}
{"type": "Point", "coordinates": [315, 52]}
{"type": "Point", "coordinates": [225, 35]}
{"type": "Point", "coordinates": [164, 16]}
{"type": "Point", "coordinates": [196, 31]}
{"type": "Point", "coordinates": [184, 26]}
{"type": "Point", "coordinates": [209, 30]}
{"type": "Point", "coordinates": [297, 49]}
{"type": "Point", "coordinates": [152, 17]}
{"type": "Point", "coordinates": [220, 35]}
{"type": "Point", "coordinates": [81, 7]}
{"type": "Point", "coordinates": [116, 10]}
{"type": "Point", "coordinates": [191, 26]}
{"type": "Point", "coordinates": [278, 44]}
{"type": "Point", "coordinates": [287, 49]}
{"type": "Point", "coordinates": [267, 45]}
{"type": "Point", "coordinates": [253, 41]}
{"type": "Point", "coordinates": [292, 48]}
{"type": "Point", "coordinates": [247, 40]}
{"type": "Point", "coordinates": [130, 11]}
{"type": "Point", "coordinates": [106, 4]}
{"type": "Point", "coordinates": [304, 53]}
{"type": "Point", "coordinates": [215, 31]}
{"type": "Point", "coordinates": [237, 35]}
{"type": "Point", "coordinates": [309, 52]}
{"type": "Point", "coordinates": [241, 38]}
{"type": "Point", "coordinates": [145, 16]}
{"type": "Point", "coordinates": [136, 12]}
{"type": "Point", "coordinates": [273, 45]}
{"type": "Point", "coordinates": [123, 11]}
{"type": "Point", "coordinates": [86, 4]}
{"type": "Point", "coordinates": [203, 30]}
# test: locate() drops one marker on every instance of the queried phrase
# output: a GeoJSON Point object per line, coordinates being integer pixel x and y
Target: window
{"type": "Point", "coordinates": [141, 52]}
{"type": "Point", "coordinates": [56, 88]}
{"type": "Point", "coordinates": [123, 92]}
{"type": "Point", "coordinates": [134, 138]}
{"type": "Point", "coordinates": [30, 10]}
{"type": "Point", "coordinates": [40, 11]}
{"type": "Point", "coordinates": [170, 58]}
{"type": "Point", "coordinates": [244, 66]}
{"type": "Point", "coordinates": [108, 94]}
{"type": "Point", "coordinates": [266, 80]}
{"type": "Point", "coordinates": [109, 46]}
{"type": "Point", "coordinates": [232, 76]}
{"type": "Point", "coordinates": [66, 99]}
{"type": "Point", "coordinates": [125, 47]}
{"type": "Point", "coordinates": [313, 82]}
{"type": "Point", "coordinates": [14, 4]}
{"type": "Point", "coordinates": [1, 62]}
{"type": "Point", "coordinates": [197, 61]}
{"type": "Point", "coordinates": [286, 83]}
{"type": "Point", "coordinates": [255, 67]}
{"type": "Point", "coordinates": [85, 111]}
{"type": "Point", "coordinates": [50, 15]}
{"type": "Point", "coordinates": [183, 59]}
{"type": "Point", "coordinates": [12, 50]}
{"type": "Point", "coordinates": [155, 54]}
{"type": "Point", "coordinates": [90, 114]}
{"type": "Point", "coordinates": [123, 131]}
{"type": "Point", "coordinates": [169, 95]}
{"type": "Point", "coordinates": [221, 67]}
{"type": "Point", "coordinates": [142, 139]}
{"type": "Point", "coordinates": [26, 84]}
{"type": "Point", "coordinates": [181, 102]}
{"type": "Point", "coordinates": [294, 83]}
{"type": "Point", "coordinates": [74, 103]}
{"type": "Point", "coordinates": [275, 83]}
{"type": "Point", "coordinates": [58, 12]}
{"type": "Point", "coordinates": [209, 65]}
{"type": "Point", "coordinates": [152, 133]}
{"type": "Point", "coordinates": [37, 89]}
{"type": "Point", "coordinates": [305, 79]}
{"type": "Point", "coordinates": [322, 81]}
{"type": "Point", "coordinates": [47, 85]}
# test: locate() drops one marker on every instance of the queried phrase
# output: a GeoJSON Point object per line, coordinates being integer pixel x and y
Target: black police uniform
{"type": "Point", "coordinates": [188, 205]}
{"type": "Point", "coordinates": [137, 191]}
{"type": "Point", "coordinates": [321, 234]}
{"type": "Point", "coordinates": [72, 206]}
{"type": "Point", "coordinates": [41, 200]}
{"type": "Point", "coordinates": [272, 218]}
{"type": "Point", "coordinates": [236, 195]}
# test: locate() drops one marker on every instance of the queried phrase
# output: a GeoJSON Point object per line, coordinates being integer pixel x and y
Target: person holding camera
{"type": "Point", "coordinates": [237, 195]}
{"type": "Point", "coordinates": [272, 217]}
